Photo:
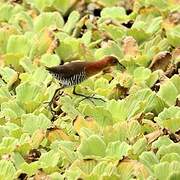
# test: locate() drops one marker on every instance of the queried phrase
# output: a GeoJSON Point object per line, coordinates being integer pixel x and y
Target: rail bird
{"type": "Point", "coordinates": [74, 73]}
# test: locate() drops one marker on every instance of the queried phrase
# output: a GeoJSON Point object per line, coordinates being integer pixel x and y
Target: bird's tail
{"type": "Point", "coordinates": [47, 68]}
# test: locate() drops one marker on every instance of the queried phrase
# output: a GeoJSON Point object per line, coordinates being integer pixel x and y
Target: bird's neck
{"type": "Point", "coordinates": [93, 68]}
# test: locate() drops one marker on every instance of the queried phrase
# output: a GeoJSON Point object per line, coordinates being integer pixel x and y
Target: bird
{"type": "Point", "coordinates": [74, 73]}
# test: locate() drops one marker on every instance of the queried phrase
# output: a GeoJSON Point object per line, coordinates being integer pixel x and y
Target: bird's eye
{"type": "Point", "coordinates": [115, 61]}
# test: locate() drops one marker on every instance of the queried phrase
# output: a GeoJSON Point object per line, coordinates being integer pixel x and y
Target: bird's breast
{"type": "Point", "coordinates": [70, 80]}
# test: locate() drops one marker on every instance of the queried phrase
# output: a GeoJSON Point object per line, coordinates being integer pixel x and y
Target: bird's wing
{"type": "Point", "coordinates": [67, 70]}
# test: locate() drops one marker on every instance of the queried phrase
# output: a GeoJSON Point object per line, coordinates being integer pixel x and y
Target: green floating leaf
{"type": "Point", "coordinates": [5, 32]}
{"type": "Point", "coordinates": [30, 96]}
{"type": "Point", "coordinates": [143, 29]}
{"type": "Point", "coordinates": [125, 170]}
{"type": "Point", "coordinates": [159, 4]}
{"type": "Point", "coordinates": [31, 122]}
{"type": "Point", "coordinates": [118, 110]}
{"type": "Point", "coordinates": [60, 143]}
{"type": "Point", "coordinates": [22, 20]}
{"type": "Point", "coordinates": [174, 176]}
{"type": "Point", "coordinates": [152, 79]}
{"type": "Point", "coordinates": [118, 13]}
{"type": "Point", "coordinates": [103, 169]}
{"type": "Point", "coordinates": [42, 5]}
{"type": "Point", "coordinates": [162, 141]}
{"type": "Point", "coordinates": [13, 59]}
{"type": "Point", "coordinates": [102, 116]}
{"type": "Point", "coordinates": [4, 94]}
{"type": "Point", "coordinates": [169, 118]}
{"type": "Point", "coordinates": [143, 101]}
{"type": "Point", "coordinates": [117, 150]}
{"type": "Point", "coordinates": [149, 159]}
{"type": "Point", "coordinates": [117, 132]}
{"type": "Point", "coordinates": [115, 32]}
{"type": "Point", "coordinates": [49, 159]}
{"type": "Point", "coordinates": [171, 148]}
{"type": "Point", "coordinates": [8, 145]}
{"type": "Point", "coordinates": [175, 80]}
{"type": "Point", "coordinates": [14, 130]}
{"type": "Point", "coordinates": [67, 149]}
{"type": "Point", "coordinates": [86, 166]}
{"type": "Point", "coordinates": [169, 90]}
{"type": "Point", "coordinates": [53, 19]}
{"type": "Point", "coordinates": [56, 176]}
{"type": "Point", "coordinates": [171, 157]}
{"type": "Point", "coordinates": [134, 130]}
{"type": "Point", "coordinates": [71, 23]}
{"type": "Point", "coordinates": [7, 170]}
{"type": "Point", "coordinates": [92, 146]}
{"type": "Point", "coordinates": [31, 168]}
{"type": "Point", "coordinates": [17, 159]}
{"type": "Point", "coordinates": [18, 44]}
{"type": "Point", "coordinates": [39, 75]}
{"type": "Point", "coordinates": [86, 38]}
{"type": "Point", "coordinates": [111, 49]}
{"type": "Point", "coordinates": [109, 2]}
{"type": "Point", "coordinates": [173, 36]}
{"type": "Point", "coordinates": [69, 49]}
{"type": "Point", "coordinates": [141, 74]}
{"type": "Point", "coordinates": [154, 46]}
{"type": "Point", "coordinates": [9, 75]}
{"type": "Point", "coordinates": [11, 110]}
{"type": "Point", "coordinates": [50, 60]}
{"type": "Point", "coordinates": [5, 11]}
{"type": "Point", "coordinates": [27, 65]}
{"type": "Point", "coordinates": [164, 170]}
{"type": "Point", "coordinates": [68, 106]}
{"type": "Point", "coordinates": [140, 146]}
{"type": "Point", "coordinates": [60, 5]}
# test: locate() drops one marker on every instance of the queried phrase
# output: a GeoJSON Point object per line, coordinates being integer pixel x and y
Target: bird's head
{"type": "Point", "coordinates": [113, 61]}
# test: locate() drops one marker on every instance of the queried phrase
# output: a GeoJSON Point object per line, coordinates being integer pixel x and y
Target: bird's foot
{"type": "Point", "coordinates": [90, 98]}
{"type": "Point", "coordinates": [49, 105]}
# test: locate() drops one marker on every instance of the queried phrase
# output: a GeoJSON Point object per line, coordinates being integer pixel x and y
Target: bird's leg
{"type": "Point", "coordinates": [86, 97]}
{"type": "Point", "coordinates": [55, 93]}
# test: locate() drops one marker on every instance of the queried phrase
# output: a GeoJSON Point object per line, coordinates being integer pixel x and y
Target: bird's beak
{"type": "Point", "coordinates": [121, 67]}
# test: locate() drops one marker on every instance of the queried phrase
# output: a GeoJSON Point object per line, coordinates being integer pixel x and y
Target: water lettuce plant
{"type": "Point", "coordinates": [134, 134]}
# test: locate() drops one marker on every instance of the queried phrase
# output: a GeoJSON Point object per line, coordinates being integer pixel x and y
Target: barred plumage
{"type": "Point", "coordinates": [71, 80]}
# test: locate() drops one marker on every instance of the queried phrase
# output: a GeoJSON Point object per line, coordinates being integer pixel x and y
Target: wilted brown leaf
{"type": "Point", "coordinates": [127, 4]}
{"type": "Point", "coordinates": [132, 166]}
{"type": "Point", "coordinates": [172, 20]}
{"type": "Point", "coordinates": [177, 102]}
{"type": "Point", "coordinates": [23, 176]}
{"type": "Point", "coordinates": [13, 79]}
{"type": "Point", "coordinates": [37, 138]}
{"type": "Point", "coordinates": [175, 137]}
{"type": "Point", "coordinates": [147, 10]}
{"type": "Point", "coordinates": [176, 53]}
{"type": "Point", "coordinates": [16, 1]}
{"type": "Point", "coordinates": [55, 43]}
{"type": "Point", "coordinates": [119, 92]}
{"type": "Point", "coordinates": [174, 17]}
{"type": "Point", "coordinates": [161, 61]}
{"type": "Point", "coordinates": [130, 46]}
{"type": "Point", "coordinates": [33, 155]}
{"type": "Point", "coordinates": [80, 122]}
{"type": "Point", "coordinates": [57, 134]}
{"type": "Point", "coordinates": [40, 175]}
{"type": "Point", "coordinates": [151, 137]}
